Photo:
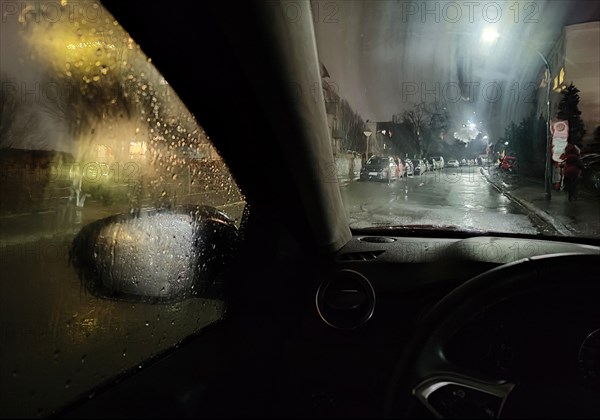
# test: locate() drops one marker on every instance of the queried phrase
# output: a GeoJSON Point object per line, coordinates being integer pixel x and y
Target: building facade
{"type": "Point", "coordinates": [575, 58]}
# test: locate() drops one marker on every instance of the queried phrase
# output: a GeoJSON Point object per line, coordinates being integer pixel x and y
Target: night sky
{"type": "Point", "coordinates": [384, 56]}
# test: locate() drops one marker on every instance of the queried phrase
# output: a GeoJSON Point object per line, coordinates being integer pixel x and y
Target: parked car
{"type": "Point", "coordinates": [463, 162]}
{"type": "Point", "coordinates": [400, 168]}
{"type": "Point", "coordinates": [420, 167]}
{"type": "Point", "coordinates": [453, 163]}
{"type": "Point", "coordinates": [382, 168]}
{"type": "Point", "coordinates": [409, 168]}
{"type": "Point", "coordinates": [438, 162]}
{"type": "Point", "coordinates": [483, 160]}
{"type": "Point", "coordinates": [591, 172]}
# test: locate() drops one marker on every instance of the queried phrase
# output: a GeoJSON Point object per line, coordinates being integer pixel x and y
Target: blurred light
{"type": "Point", "coordinates": [489, 35]}
{"type": "Point", "coordinates": [506, 143]}
{"type": "Point", "coordinates": [472, 125]}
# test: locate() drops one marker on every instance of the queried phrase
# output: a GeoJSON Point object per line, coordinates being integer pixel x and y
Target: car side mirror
{"type": "Point", "coordinates": [156, 256]}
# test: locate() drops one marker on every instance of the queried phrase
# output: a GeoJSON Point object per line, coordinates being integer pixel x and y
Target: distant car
{"type": "Point", "coordinates": [420, 167]}
{"type": "Point", "coordinates": [438, 162]}
{"type": "Point", "coordinates": [463, 162]}
{"type": "Point", "coordinates": [382, 168]}
{"type": "Point", "coordinates": [453, 163]}
{"type": "Point", "coordinates": [399, 168]}
{"type": "Point", "coordinates": [483, 160]}
{"type": "Point", "coordinates": [409, 168]}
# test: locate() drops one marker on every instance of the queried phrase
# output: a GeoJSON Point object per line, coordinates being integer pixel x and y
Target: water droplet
{"type": "Point", "coordinates": [147, 324]}
{"type": "Point", "coordinates": [83, 356]}
{"type": "Point", "coordinates": [158, 315]}
{"type": "Point", "coordinates": [56, 354]}
{"type": "Point", "coordinates": [124, 352]}
{"type": "Point", "coordinates": [15, 373]}
{"type": "Point", "coordinates": [68, 384]}
{"type": "Point", "coordinates": [173, 322]}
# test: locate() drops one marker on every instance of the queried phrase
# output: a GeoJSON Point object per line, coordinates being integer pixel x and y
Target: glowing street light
{"type": "Point", "coordinates": [489, 35]}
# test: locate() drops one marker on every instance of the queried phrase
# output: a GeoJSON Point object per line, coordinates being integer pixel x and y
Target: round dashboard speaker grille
{"type": "Point", "coordinates": [345, 300]}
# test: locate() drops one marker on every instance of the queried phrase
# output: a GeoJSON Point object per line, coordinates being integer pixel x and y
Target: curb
{"type": "Point", "coordinates": [559, 226]}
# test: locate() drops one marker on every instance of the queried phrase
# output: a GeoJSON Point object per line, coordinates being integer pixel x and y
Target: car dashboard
{"type": "Point", "coordinates": [332, 351]}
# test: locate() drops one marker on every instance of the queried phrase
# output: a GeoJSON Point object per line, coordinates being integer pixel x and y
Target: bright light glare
{"type": "Point", "coordinates": [489, 35]}
{"type": "Point", "coordinates": [472, 125]}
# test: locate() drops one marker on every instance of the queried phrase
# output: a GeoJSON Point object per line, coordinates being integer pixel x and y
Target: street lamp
{"type": "Point", "coordinates": [490, 35]}
{"type": "Point", "coordinates": [368, 134]}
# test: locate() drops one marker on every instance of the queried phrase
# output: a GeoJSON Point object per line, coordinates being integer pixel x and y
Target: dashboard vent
{"type": "Point", "coordinates": [377, 239]}
{"type": "Point", "coordinates": [345, 300]}
{"type": "Point", "coordinates": [361, 256]}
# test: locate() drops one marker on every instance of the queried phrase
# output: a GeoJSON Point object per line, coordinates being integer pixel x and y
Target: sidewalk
{"type": "Point", "coordinates": [577, 218]}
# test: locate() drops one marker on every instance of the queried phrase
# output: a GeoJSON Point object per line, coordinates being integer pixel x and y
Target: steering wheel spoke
{"type": "Point", "coordinates": [425, 377]}
{"type": "Point", "coordinates": [451, 391]}
{"type": "Point", "coordinates": [454, 395]}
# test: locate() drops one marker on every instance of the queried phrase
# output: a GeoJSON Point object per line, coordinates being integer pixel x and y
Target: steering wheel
{"type": "Point", "coordinates": [426, 383]}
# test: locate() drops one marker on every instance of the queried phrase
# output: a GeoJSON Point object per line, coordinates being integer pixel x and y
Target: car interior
{"type": "Point", "coordinates": [323, 320]}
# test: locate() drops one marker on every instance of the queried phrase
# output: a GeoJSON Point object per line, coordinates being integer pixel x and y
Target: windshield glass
{"type": "Point", "coordinates": [463, 84]}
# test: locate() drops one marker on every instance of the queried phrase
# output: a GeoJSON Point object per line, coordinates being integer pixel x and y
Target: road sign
{"type": "Point", "coordinates": [560, 135]}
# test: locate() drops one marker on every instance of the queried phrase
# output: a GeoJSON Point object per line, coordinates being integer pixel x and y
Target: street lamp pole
{"type": "Point", "coordinates": [548, 166]}
{"type": "Point", "coordinates": [367, 134]}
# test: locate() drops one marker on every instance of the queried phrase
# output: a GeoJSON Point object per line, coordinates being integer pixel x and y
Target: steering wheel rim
{"type": "Point", "coordinates": [423, 360]}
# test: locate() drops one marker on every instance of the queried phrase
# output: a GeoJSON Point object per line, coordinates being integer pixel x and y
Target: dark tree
{"type": "Point", "coordinates": [527, 141]}
{"type": "Point", "coordinates": [568, 109]}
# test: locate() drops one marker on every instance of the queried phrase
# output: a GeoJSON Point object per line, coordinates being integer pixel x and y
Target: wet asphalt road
{"type": "Point", "coordinates": [459, 197]}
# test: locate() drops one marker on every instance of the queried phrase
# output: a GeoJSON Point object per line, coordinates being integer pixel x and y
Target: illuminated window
{"type": "Point", "coordinates": [561, 76]}
{"type": "Point", "coordinates": [137, 148]}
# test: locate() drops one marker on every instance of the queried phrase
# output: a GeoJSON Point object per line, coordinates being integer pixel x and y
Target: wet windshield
{"type": "Point", "coordinates": [461, 85]}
